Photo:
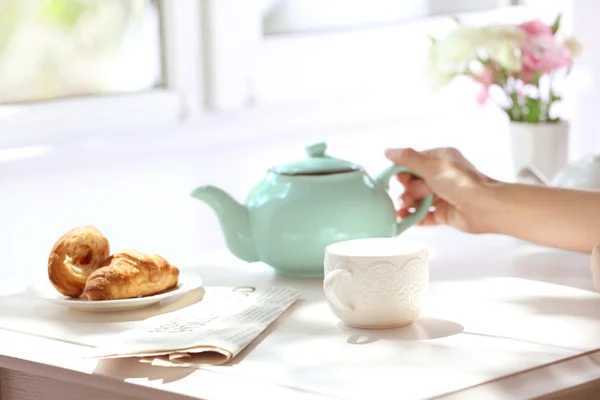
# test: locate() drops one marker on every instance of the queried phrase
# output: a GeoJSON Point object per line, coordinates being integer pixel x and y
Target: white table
{"type": "Point", "coordinates": [504, 319]}
{"type": "Point", "coordinates": [518, 306]}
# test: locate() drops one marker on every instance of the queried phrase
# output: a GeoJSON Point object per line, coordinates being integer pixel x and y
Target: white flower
{"type": "Point", "coordinates": [502, 32]}
{"type": "Point", "coordinates": [451, 56]}
{"type": "Point", "coordinates": [501, 43]}
{"type": "Point", "coordinates": [505, 53]}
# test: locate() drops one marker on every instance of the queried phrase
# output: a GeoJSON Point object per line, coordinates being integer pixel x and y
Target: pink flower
{"type": "Point", "coordinates": [544, 54]}
{"type": "Point", "coordinates": [483, 96]}
{"type": "Point", "coordinates": [486, 79]}
{"type": "Point", "coordinates": [535, 27]}
{"type": "Point", "coordinates": [541, 52]}
{"type": "Point", "coordinates": [527, 75]}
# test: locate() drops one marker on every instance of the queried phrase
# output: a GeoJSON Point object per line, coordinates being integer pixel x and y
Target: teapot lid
{"type": "Point", "coordinates": [317, 163]}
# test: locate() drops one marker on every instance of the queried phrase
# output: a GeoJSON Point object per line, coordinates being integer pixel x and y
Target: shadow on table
{"type": "Point", "coordinates": [424, 328]}
{"type": "Point", "coordinates": [557, 267]}
{"type": "Point", "coordinates": [131, 368]}
{"type": "Point", "coordinates": [526, 261]}
{"type": "Point", "coordinates": [586, 307]}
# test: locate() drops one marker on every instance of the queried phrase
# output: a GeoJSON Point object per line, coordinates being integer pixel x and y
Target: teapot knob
{"type": "Point", "coordinates": [316, 149]}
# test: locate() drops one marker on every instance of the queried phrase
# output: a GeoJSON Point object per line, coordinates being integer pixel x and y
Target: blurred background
{"type": "Point", "coordinates": [62, 48]}
{"type": "Point", "coordinates": [53, 49]}
{"type": "Point", "coordinates": [112, 111]}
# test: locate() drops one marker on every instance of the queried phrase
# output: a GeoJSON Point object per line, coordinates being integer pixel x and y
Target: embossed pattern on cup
{"type": "Point", "coordinates": [370, 291]}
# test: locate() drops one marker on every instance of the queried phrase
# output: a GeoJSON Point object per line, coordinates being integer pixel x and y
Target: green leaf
{"type": "Point", "coordinates": [432, 39]}
{"type": "Point", "coordinates": [534, 109]}
{"type": "Point", "coordinates": [556, 24]}
{"type": "Point", "coordinates": [455, 19]}
{"type": "Point", "coordinates": [514, 111]}
{"type": "Point", "coordinates": [514, 97]}
{"type": "Point", "coordinates": [501, 77]}
{"type": "Point", "coordinates": [508, 112]}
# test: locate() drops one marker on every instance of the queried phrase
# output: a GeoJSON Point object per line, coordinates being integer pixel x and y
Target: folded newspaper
{"type": "Point", "coordinates": [210, 332]}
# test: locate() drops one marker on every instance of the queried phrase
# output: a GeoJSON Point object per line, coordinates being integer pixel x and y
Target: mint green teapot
{"type": "Point", "coordinates": [300, 208]}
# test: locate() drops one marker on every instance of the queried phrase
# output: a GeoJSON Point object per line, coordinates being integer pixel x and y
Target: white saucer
{"type": "Point", "coordinates": [44, 290]}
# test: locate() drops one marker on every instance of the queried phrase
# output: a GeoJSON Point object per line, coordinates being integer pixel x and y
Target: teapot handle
{"type": "Point", "coordinates": [384, 179]}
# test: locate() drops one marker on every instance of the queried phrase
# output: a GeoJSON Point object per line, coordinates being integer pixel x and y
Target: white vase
{"type": "Point", "coordinates": [544, 146]}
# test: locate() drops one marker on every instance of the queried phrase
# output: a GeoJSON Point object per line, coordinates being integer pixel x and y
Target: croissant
{"type": "Point", "coordinates": [74, 256]}
{"type": "Point", "coordinates": [129, 274]}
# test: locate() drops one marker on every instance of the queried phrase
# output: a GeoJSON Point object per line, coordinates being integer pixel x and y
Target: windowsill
{"type": "Point", "coordinates": [303, 122]}
{"type": "Point", "coordinates": [71, 120]}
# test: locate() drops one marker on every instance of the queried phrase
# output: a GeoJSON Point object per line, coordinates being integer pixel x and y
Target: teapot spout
{"type": "Point", "coordinates": [234, 221]}
{"type": "Point", "coordinates": [533, 174]}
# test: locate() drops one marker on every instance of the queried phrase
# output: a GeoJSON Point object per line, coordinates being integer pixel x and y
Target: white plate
{"type": "Point", "coordinates": [44, 290]}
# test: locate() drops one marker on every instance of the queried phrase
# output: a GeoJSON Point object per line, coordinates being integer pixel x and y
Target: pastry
{"type": "Point", "coordinates": [77, 253]}
{"type": "Point", "coordinates": [129, 274]}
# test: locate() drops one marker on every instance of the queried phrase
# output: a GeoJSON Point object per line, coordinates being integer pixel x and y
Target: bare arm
{"type": "Point", "coordinates": [472, 202]}
{"type": "Point", "coordinates": [562, 218]}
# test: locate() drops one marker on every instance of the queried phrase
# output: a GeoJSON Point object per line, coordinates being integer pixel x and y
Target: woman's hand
{"type": "Point", "coordinates": [459, 189]}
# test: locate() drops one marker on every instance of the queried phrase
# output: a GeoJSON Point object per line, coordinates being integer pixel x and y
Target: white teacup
{"type": "Point", "coordinates": [376, 283]}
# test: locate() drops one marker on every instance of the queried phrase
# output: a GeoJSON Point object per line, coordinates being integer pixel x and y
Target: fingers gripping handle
{"type": "Point", "coordinates": [384, 179]}
{"type": "Point", "coordinates": [328, 284]}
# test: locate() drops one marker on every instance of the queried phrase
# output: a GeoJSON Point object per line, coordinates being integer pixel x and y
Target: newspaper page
{"type": "Point", "coordinates": [212, 331]}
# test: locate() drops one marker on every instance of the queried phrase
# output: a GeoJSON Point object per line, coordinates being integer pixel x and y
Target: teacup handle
{"type": "Point", "coordinates": [384, 179]}
{"type": "Point", "coordinates": [329, 292]}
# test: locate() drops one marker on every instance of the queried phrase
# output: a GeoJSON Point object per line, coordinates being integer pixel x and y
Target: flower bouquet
{"type": "Point", "coordinates": [523, 60]}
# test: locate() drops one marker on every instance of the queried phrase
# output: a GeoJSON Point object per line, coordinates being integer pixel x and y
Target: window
{"type": "Point", "coordinates": [304, 16]}
{"type": "Point", "coordinates": [73, 69]}
{"type": "Point", "coordinates": [51, 49]}
{"type": "Point", "coordinates": [291, 51]}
